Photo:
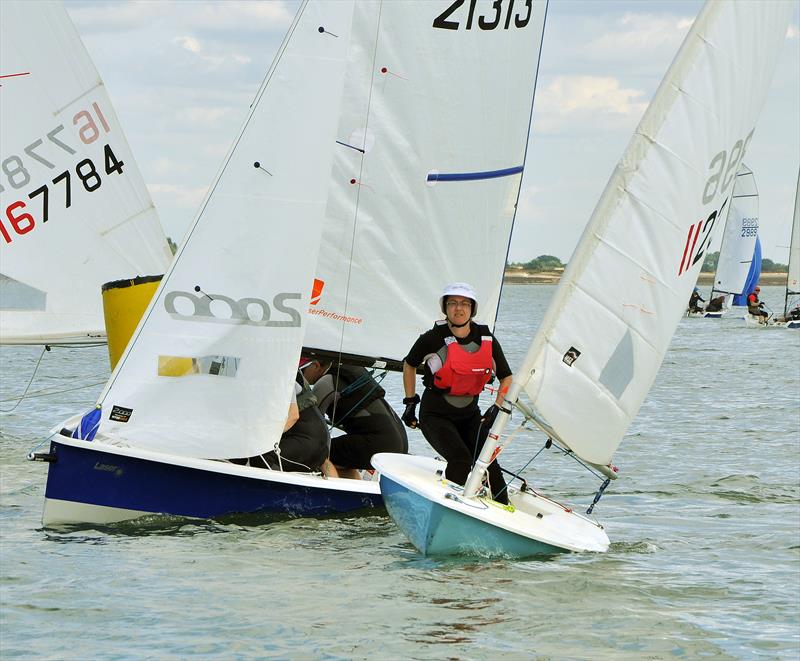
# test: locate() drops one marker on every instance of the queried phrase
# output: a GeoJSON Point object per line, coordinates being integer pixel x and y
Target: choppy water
{"type": "Point", "coordinates": [704, 561]}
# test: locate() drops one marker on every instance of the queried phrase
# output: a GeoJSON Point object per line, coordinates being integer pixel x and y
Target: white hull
{"type": "Point", "coordinates": [437, 519]}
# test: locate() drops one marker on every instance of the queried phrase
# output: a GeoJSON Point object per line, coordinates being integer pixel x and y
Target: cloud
{"type": "Point", "coordinates": [201, 116]}
{"type": "Point", "coordinates": [183, 197]}
{"type": "Point", "coordinates": [602, 100]}
{"type": "Point", "coordinates": [567, 94]}
{"type": "Point", "coordinates": [188, 43]}
{"type": "Point", "coordinates": [240, 16]}
{"type": "Point", "coordinates": [115, 17]}
{"type": "Point", "coordinates": [635, 35]}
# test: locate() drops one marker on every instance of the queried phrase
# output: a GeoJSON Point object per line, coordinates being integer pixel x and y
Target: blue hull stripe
{"type": "Point", "coordinates": [110, 480]}
{"type": "Point", "coordinates": [473, 176]}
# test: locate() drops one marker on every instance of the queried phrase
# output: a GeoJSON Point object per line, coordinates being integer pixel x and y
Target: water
{"type": "Point", "coordinates": [704, 560]}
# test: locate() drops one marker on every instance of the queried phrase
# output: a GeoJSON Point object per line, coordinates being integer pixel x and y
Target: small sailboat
{"type": "Point", "coordinates": [77, 211]}
{"type": "Point", "coordinates": [736, 253]}
{"type": "Point", "coordinates": [376, 134]}
{"type": "Point", "coordinates": [620, 299]}
{"type": "Point", "coordinates": [791, 299]}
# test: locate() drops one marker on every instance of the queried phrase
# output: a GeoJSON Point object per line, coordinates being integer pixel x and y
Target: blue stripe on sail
{"type": "Point", "coordinates": [473, 176]}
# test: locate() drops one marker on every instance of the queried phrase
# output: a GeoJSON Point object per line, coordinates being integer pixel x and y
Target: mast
{"type": "Point", "coordinates": [793, 275]}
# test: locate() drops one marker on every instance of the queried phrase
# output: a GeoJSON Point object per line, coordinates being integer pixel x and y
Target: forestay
{"type": "Point", "coordinates": [432, 140]}
{"type": "Point", "coordinates": [739, 238]}
{"type": "Point", "coordinates": [211, 367]}
{"type": "Point", "coordinates": [625, 289]}
{"type": "Point", "coordinates": [76, 212]}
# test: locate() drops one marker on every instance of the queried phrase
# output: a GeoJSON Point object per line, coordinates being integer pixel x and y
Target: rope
{"type": "Point", "coordinates": [35, 369]}
{"type": "Point", "coordinates": [364, 378]}
{"type": "Point", "coordinates": [46, 393]}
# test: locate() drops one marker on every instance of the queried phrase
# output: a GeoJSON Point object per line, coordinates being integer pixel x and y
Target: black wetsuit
{"type": "Point", "coordinates": [451, 424]}
{"type": "Point", "coordinates": [371, 425]}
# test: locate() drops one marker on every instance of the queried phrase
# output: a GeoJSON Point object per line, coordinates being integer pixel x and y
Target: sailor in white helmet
{"type": "Point", "coordinates": [460, 357]}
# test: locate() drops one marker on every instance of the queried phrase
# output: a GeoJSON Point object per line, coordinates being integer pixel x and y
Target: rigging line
{"type": "Point", "coordinates": [35, 369]}
{"type": "Point", "coordinates": [40, 444]}
{"type": "Point", "coordinates": [524, 159]}
{"type": "Point", "coordinates": [46, 393]}
{"type": "Point", "coordinates": [358, 200]}
{"type": "Point", "coordinates": [570, 453]}
{"type": "Point", "coordinates": [378, 379]}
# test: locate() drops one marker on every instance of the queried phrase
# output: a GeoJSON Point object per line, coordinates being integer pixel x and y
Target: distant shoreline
{"type": "Point", "coordinates": [552, 278]}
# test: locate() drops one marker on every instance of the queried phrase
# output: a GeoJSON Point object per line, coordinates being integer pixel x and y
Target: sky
{"type": "Point", "coordinates": [181, 76]}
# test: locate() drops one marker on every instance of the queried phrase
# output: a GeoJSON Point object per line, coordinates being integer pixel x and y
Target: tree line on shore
{"type": "Point", "coordinates": [551, 263]}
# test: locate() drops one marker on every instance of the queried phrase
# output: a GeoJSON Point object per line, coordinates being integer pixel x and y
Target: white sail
{"type": "Point", "coordinates": [624, 291]}
{"type": "Point", "coordinates": [739, 238]}
{"type": "Point", "coordinates": [209, 372]}
{"type": "Point", "coordinates": [432, 136]}
{"type": "Point", "coordinates": [77, 213]}
{"type": "Point", "coordinates": [793, 278]}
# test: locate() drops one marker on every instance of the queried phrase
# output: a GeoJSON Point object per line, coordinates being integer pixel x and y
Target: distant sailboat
{"type": "Point", "coordinates": [738, 246]}
{"type": "Point", "coordinates": [379, 119]}
{"type": "Point", "coordinates": [77, 212]}
{"type": "Point", "coordinates": [605, 333]}
{"type": "Point", "coordinates": [791, 300]}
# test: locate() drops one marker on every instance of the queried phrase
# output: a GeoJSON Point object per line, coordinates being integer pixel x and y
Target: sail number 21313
{"type": "Point", "coordinates": [500, 14]}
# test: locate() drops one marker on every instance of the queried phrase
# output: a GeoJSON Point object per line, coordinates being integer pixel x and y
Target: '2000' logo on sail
{"type": "Point", "coordinates": [248, 311]}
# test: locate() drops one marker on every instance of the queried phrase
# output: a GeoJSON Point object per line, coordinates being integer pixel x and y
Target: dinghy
{"type": "Point", "coordinates": [77, 211]}
{"type": "Point", "coordinates": [620, 299]}
{"type": "Point", "coordinates": [376, 133]}
{"type": "Point", "coordinates": [738, 246]}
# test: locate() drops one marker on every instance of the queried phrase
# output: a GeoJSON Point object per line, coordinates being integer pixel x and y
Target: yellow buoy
{"type": "Point", "coordinates": [124, 303]}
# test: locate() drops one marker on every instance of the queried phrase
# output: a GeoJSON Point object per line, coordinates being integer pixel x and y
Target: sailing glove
{"type": "Point", "coordinates": [409, 416]}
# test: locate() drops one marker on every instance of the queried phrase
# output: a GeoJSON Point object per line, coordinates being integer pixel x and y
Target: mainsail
{"type": "Point", "coordinates": [739, 238]}
{"type": "Point", "coordinates": [625, 289]}
{"type": "Point", "coordinates": [76, 210]}
{"type": "Point", "coordinates": [210, 368]}
{"type": "Point", "coordinates": [427, 173]}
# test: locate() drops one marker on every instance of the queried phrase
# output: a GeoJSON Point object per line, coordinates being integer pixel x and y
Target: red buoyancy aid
{"type": "Point", "coordinates": [465, 373]}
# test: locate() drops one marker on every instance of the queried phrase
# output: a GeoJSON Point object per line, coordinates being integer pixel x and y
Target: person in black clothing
{"type": "Point", "coordinates": [460, 357]}
{"type": "Point", "coordinates": [354, 402]}
{"type": "Point", "coordinates": [694, 300]}
{"type": "Point", "coordinates": [716, 304]}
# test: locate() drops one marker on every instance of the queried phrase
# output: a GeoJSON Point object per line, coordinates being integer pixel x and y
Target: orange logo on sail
{"type": "Point", "coordinates": [316, 291]}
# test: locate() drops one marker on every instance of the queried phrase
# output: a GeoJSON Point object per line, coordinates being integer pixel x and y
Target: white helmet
{"type": "Point", "coordinates": [459, 289]}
